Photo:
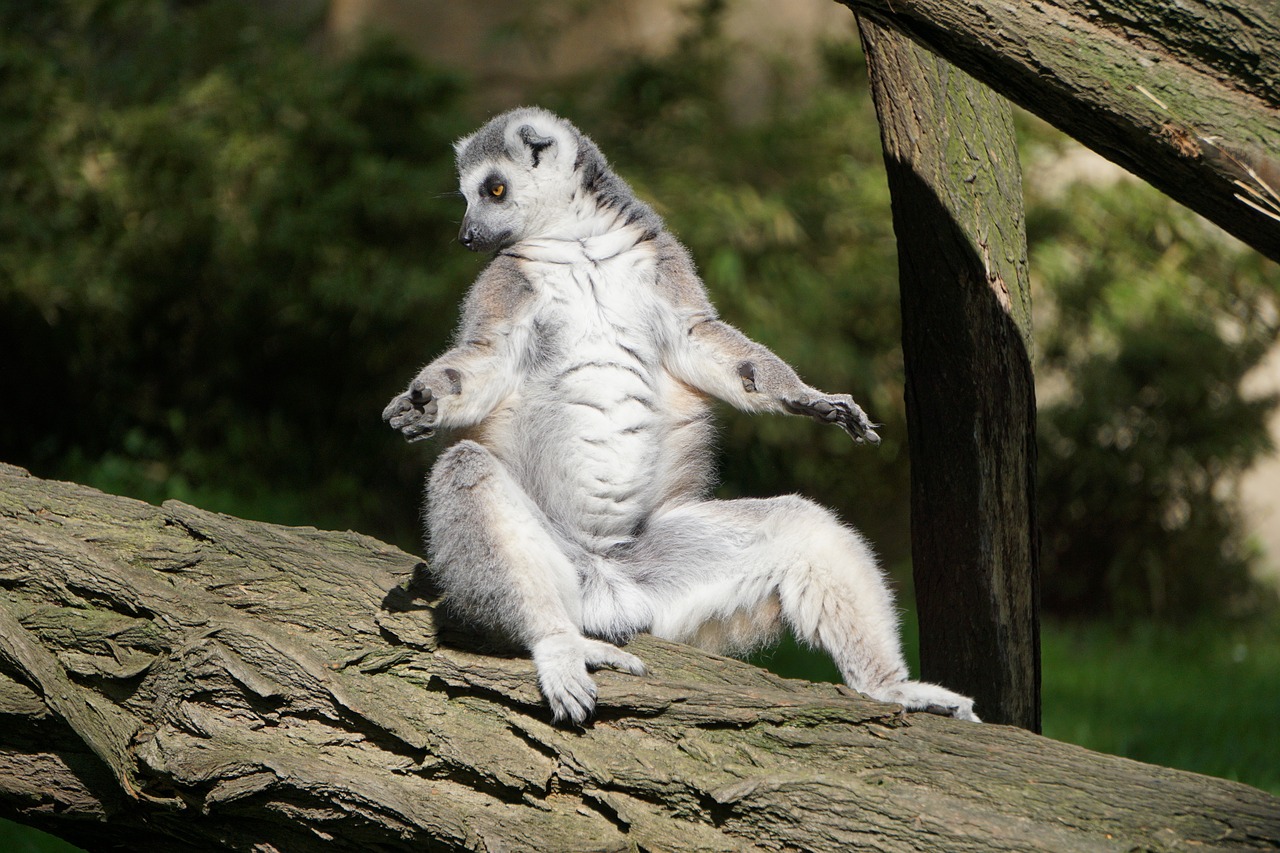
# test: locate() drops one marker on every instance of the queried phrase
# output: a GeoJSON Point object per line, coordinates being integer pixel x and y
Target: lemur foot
{"type": "Point", "coordinates": [414, 412]}
{"type": "Point", "coordinates": [563, 660]}
{"type": "Point", "coordinates": [922, 696]}
{"type": "Point", "coordinates": [839, 409]}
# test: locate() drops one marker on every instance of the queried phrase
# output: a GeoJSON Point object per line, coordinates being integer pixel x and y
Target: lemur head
{"type": "Point", "coordinates": [528, 173]}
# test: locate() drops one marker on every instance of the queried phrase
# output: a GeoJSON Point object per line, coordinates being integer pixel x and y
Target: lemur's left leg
{"type": "Point", "coordinates": [751, 565]}
{"type": "Point", "coordinates": [500, 564]}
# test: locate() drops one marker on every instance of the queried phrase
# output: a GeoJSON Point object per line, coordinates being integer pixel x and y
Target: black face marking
{"type": "Point", "coordinates": [535, 142]}
{"type": "Point", "coordinates": [494, 187]}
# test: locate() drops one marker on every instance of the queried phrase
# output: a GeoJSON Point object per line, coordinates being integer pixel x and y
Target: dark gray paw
{"type": "Point", "coordinates": [415, 412]}
{"type": "Point", "coordinates": [839, 409]}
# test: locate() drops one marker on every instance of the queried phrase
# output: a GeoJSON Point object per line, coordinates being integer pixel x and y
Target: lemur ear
{"type": "Point", "coordinates": [535, 142]}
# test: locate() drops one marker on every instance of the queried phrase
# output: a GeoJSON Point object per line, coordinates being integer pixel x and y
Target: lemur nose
{"type": "Point", "coordinates": [467, 236]}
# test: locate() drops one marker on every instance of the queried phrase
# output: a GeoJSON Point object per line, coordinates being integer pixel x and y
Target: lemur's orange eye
{"type": "Point", "coordinates": [497, 190]}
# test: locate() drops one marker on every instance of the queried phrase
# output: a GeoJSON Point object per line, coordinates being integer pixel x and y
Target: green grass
{"type": "Point", "coordinates": [1197, 697]}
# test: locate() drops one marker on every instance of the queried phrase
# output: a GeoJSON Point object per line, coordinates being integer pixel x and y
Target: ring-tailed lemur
{"type": "Point", "coordinates": [573, 512]}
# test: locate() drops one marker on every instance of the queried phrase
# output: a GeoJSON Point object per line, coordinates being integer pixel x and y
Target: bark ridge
{"type": "Point", "coordinates": [176, 679]}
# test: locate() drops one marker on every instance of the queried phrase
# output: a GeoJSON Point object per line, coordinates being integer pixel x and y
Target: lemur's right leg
{"type": "Point", "coordinates": [749, 566]}
{"type": "Point", "coordinates": [500, 565]}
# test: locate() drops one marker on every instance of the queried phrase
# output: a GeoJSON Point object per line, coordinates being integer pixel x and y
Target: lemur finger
{"type": "Point", "coordinates": [416, 430]}
{"type": "Point", "coordinates": [855, 422]}
{"type": "Point", "coordinates": [419, 393]}
{"type": "Point", "coordinates": [395, 407]}
{"type": "Point", "coordinates": [411, 419]}
{"type": "Point", "coordinates": [425, 414]}
{"type": "Point", "coordinates": [403, 419]}
{"type": "Point", "coordinates": [862, 433]}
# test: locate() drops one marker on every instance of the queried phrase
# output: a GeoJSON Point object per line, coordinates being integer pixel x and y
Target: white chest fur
{"type": "Point", "coordinates": [588, 422]}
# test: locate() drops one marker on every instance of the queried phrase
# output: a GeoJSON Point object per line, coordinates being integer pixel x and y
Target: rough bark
{"type": "Point", "coordinates": [174, 679]}
{"type": "Point", "coordinates": [952, 164]}
{"type": "Point", "coordinates": [1185, 95]}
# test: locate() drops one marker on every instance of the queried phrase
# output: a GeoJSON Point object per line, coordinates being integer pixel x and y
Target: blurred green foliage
{"type": "Point", "coordinates": [1150, 320]}
{"type": "Point", "coordinates": [222, 249]}
{"type": "Point", "coordinates": [219, 254]}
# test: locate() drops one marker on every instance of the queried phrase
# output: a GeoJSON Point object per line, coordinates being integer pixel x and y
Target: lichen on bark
{"type": "Point", "coordinates": [181, 680]}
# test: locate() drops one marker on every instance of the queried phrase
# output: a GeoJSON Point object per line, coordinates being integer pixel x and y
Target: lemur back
{"type": "Point", "coordinates": [572, 504]}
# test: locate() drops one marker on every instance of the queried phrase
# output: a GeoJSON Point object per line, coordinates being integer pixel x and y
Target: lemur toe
{"type": "Point", "coordinates": [929, 698]}
{"type": "Point", "coordinates": [561, 661]}
{"type": "Point", "coordinates": [602, 655]}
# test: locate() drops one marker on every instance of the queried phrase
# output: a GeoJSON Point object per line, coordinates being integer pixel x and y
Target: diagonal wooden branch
{"type": "Point", "coordinates": [178, 680]}
{"type": "Point", "coordinates": [1185, 97]}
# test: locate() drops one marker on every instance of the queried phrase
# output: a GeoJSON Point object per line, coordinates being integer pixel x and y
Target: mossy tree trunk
{"type": "Point", "coordinates": [173, 679]}
{"type": "Point", "coordinates": [1186, 96]}
{"type": "Point", "coordinates": [952, 164]}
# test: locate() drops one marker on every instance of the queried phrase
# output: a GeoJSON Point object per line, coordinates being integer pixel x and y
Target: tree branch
{"type": "Point", "coordinates": [1187, 98]}
{"type": "Point", "coordinates": [181, 680]}
{"type": "Point", "coordinates": [952, 165]}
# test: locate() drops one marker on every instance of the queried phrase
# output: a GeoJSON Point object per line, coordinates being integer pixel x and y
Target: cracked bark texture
{"type": "Point", "coordinates": [174, 679]}
{"type": "Point", "coordinates": [1185, 95]}
{"type": "Point", "coordinates": [956, 187]}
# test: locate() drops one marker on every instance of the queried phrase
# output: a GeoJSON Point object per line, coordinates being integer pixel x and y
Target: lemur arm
{"type": "Point", "coordinates": [719, 360]}
{"type": "Point", "coordinates": [466, 383]}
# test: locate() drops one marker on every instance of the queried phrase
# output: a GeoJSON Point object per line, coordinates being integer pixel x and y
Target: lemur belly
{"type": "Point", "coordinates": [589, 420]}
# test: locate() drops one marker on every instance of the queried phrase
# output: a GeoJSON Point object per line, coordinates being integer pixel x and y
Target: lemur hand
{"type": "Point", "coordinates": [839, 409]}
{"type": "Point", "coordinates": [415, 412]}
